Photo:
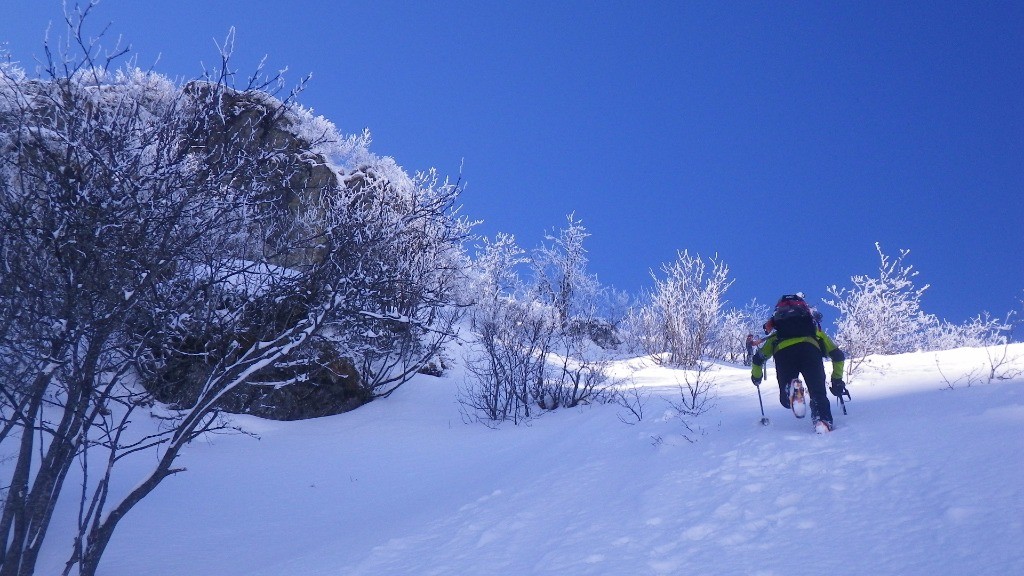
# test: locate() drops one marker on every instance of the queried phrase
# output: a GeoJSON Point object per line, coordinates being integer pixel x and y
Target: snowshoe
{"type": "Point", "coordinates": [823, 427]}
{"type": "Point", "coordinates": [797, 398]}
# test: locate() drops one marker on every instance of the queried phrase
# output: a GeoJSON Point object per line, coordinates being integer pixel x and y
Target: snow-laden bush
{"type": "Point", "coordinates": [560, 275]}
{"type": "Point", "coordinates": [152, 233]}
{"type": "Point", "coordinates": [881, 315]}
{"type": "Point", "coordinates": [542, 341]}
{"type": "Point", "coordinates": [509, 340]}
{"type": "Point", "coordinates": [736, 324]}
{"type": "Point", "coordinates": [683, 322]}
{"type": "Point", "coordinates": [980, 331]}
{"type": "Point", "coordinates": [507, 362]}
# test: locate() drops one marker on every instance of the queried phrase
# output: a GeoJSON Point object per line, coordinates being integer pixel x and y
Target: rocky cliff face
{"type": "Point", "coordinates": [294, 179]}
{"type": "Point", "coordinates": [240, 145]}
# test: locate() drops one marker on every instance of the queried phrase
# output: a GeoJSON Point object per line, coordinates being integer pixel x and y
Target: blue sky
{"type": "Point", "coordinates": [785, 137]}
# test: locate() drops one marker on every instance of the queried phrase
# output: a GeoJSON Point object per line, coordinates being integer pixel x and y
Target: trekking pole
{"type": "Point", "coordinates": [843, 402]}
{"type": "Point", "coordinates": [764, 419]}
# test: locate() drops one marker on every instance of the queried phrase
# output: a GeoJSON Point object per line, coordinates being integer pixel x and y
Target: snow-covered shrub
{"type": "Point", "coordinates": [153, 232]}
{"type": "Point", "coordinates": [507, 362]}
{"type": "Point", "coordinates": [980, 331]}
{"type": "Point", "coordinates": [736, 324]}
{"type": "Point", "coordinates": [110, 202]}
{"type": "Point", "coordinates": [560, 277]}
{"type": "Point", "coordinates": [881, 315]}
{"type": "Point", "coordinates": [543, 341]}
{"type": "Point", "coordinates": [495, 266]}
{"type": "Point", "coordinates": [579, 305]}
{"type": "Point", "coordinates": [682, 323]}
{"type": "Point", "coordinates": [413, 293]}
{"type": "Point", "coordinates": [512, 339]}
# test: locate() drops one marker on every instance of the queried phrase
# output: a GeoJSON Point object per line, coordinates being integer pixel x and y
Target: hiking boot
{"type": "Point", "coordinates": [823, 427]}
{"type": "Point", "coordinates": [797, 398]}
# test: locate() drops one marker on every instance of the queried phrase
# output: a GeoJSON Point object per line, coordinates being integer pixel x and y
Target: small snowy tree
{"type": "Point", "coordinates": [538, 340]}
{"type": "Point", "coordinates": [412, 296]}
{"type": "Point", "coordinates": [505, 380]}
{"type": "Point", "coordinates": [510, 340]}
{"type": "Point", "coordinates": [980, 331]}
{"type": "Point", "coordinates": [682, 323]}
{"type": "Point", "coordinates": [737, 323]}
{"type": "Point", "coordinates": [560, 275]}
{"type": "Point", "coordinates": [881, 315]}
{"type": "Point", "coordinates": [495, 275]}
{"type": "Point", "coordinates": [562, 285]}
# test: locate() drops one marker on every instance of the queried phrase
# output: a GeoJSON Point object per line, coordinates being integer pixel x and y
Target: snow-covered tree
{"type": "Point", "coordinates": [881, 315]}
{"type": "Point", "coordinates": [736, 324]}
{"type": "Point", "coordinates": [682, 323]}
{"type": "Point", "coordinates": [507, 362]}
{"type": "Point", "coordinates": [978, 332]}
{"type": "Point", "coordinates": [562, 285]}
{"type": "Point", "coordinates": [199, 236]}
{"type": "Point", "coordinates": [495, 274]}
{"type": "Point", "coordinates": [512, 336]}
{"type": "Point", "coordinates": [413, 294]}
{"type": "Point", "coordinates": [560, 275]}
{"type": "Point", "coordinates": [541, 341]}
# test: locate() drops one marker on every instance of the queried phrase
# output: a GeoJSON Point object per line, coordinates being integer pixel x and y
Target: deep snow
{"type": "Point", "coordinates": [917, 479]}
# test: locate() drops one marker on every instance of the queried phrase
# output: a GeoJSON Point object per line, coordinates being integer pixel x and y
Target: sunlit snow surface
{"type": "Point", "coordinates": [920, 477]}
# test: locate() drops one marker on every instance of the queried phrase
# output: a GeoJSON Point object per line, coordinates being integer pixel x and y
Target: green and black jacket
{"type": "Point", "coordinates": [772, 344]}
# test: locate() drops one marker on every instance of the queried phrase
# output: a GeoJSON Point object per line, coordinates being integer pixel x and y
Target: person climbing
{"type": "Point", "coordinates": [750, 343]}
{"type": "Point", "coordinates": [797, 342]}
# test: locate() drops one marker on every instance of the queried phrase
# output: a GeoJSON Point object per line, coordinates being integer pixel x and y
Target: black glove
{"type": "Point", "coordinates": [755, 380]}
{"type": "Point", "coordinates": [838, 387]}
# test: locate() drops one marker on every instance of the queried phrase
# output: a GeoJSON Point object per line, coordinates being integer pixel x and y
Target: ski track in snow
{"type": "Point", "coordinates": [915, 480]}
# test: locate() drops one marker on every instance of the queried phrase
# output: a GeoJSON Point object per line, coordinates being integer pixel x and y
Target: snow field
{"type": "Point", "coordinates": [917, 479]}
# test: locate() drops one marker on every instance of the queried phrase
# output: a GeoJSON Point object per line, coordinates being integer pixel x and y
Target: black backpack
{"type": "Point", "coordinates": [793, 318]}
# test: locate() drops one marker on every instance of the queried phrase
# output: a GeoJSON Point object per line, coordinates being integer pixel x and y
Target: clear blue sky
{"type": "Point", "coordinates": [787, 137]}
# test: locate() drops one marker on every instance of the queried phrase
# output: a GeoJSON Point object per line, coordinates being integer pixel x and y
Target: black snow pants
{"type": "Point", "coordinates": [804, 358]}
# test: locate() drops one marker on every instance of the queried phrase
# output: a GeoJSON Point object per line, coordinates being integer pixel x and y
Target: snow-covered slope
{"type": "Point", "coordinates": [918, 478]}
